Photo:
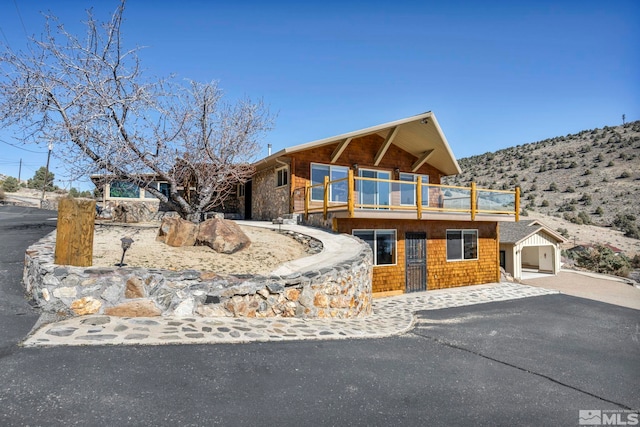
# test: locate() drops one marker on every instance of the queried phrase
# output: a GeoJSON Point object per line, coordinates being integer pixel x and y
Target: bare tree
{"type": "Point", "coordinates": [89, 94]}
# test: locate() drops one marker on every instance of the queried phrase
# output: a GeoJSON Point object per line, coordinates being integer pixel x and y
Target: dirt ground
{"type": "Point", "coordinates": [268, 250]}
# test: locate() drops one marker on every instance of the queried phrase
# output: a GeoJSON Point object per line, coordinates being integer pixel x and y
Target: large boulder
{"type": "Point", "coordinates": [177, 232]}
{"type": "Point", "coordinates": [221, 235]}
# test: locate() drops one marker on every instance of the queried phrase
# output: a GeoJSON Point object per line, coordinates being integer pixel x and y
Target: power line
{"type": "Point", "coordinates": [21, 21]}
{"type": "Point", "coordinates": [21, 148]}
{"type": "Point", "coordinates": [4, 36]}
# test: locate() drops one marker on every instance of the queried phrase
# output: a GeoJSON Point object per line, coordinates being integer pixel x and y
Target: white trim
{"type": "Point", "coordinates": [331, 167]}
{"type": "Point", "coordinates": [375, 244]}
{"type": "Point", "coordinates": [462, 235]}
{"type": "Point", "coordinates": [377, 192]}
{"type": "Point", "coordinates": [277, 171]}
{"type": "Point", "coordinates": [425, 202]}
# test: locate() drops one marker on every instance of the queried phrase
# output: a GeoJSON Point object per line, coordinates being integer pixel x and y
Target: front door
{"type": "Point", "coordinates": [247, 199]}
{"type": "Point", "coordinates": [415, 248]}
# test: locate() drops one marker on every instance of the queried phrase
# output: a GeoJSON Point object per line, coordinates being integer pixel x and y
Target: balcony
{"type": "Point", "coordinates": [360, 197]}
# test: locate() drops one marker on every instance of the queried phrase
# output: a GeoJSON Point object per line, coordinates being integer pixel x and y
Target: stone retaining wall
{"type": "Point", "coordinates": [341, 291]}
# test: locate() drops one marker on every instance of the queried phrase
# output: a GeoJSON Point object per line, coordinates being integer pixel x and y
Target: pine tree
{"type": "Point", "coordinates": [37, 181]}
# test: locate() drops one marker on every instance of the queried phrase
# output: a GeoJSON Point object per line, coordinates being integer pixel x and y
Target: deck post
{"type": "Point", "coordinates": [419, 197]}
{"type": "Point", "coordinates": [350, 201]}
{"type": "Point", "coordinates": [307, 195]}
{"type": "Point", "coordinates": [326, 197]}
{"type": "Point", "coordinates": [517, 204]}
{"type": "Point", "coordinates": [473, 201]}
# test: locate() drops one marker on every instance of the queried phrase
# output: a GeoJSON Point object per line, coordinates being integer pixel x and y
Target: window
{"type": "Point", "coordinates": [123, 189]}
{"type": "Point", "coordinates": [462, 244]}
{"type": "Point", "coordinates": [240, 190]}
{"type": "Point", "coordinates": [374, 193]}
{"type": "Point", "coordinates": [383, 245]}
{"type": "Point", "coordinates": [337, 191]}
{"type": "Point", "coordinates": [163, 187]}
{"type": "Point", "coordinates": [282, 176]}
{"type": "Point", "coordinates": [408, 191]}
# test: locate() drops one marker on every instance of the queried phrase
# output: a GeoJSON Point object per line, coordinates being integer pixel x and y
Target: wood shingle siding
{"type": "Point", "coordinates": [440, 272]}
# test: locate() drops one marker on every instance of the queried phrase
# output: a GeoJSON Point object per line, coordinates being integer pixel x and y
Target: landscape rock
{"type": "Point", "coordinates": [221, 235]}
{"type": "Point", "coordinates": [177, 232]}
{"type": "Point", "coordinates": [86, 305]}
{"type": "Point", "coordinates": [134, 288]}
{"type": "Point", "coordinates": [137, 308]}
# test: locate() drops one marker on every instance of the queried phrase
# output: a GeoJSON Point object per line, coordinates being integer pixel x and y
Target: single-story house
{"type": "Point", "coordinates": [383, 185]}
{"type": "Point", "coordinates": [529, 245]}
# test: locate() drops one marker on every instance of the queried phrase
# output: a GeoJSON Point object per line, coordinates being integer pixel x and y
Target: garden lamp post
{"type": "Point", "coordinates": [126, 244]}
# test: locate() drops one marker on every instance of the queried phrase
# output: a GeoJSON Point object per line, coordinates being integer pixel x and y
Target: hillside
{"type": "Point", "coordinates": [585, 178]}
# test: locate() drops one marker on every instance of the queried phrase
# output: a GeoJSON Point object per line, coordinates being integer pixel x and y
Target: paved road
{"type": "Point", "coordinates": [19, 227]}
{"type": "Point", "coordinates": [532, 361]}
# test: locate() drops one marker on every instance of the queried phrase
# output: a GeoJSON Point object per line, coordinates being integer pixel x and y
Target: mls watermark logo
{"type": "Point", "coordinates": [606, 417]}
{"type": "Point", "coordinates": [589, 417]}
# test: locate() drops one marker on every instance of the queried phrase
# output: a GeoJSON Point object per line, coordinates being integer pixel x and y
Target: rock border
{"type": "Point", "coordinates": [342, 290]}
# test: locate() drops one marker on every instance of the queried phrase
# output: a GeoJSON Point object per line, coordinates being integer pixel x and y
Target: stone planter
{"type": "Point", "coordinates": [337, 291]}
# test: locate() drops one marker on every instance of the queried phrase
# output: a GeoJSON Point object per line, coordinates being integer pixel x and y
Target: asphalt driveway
{"type": "Point", "coordinates": [531, 361]}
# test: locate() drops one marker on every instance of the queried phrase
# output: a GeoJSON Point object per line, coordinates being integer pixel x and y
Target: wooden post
{"type": "Point", "coordinates": [498, 250]}
{"type": "Point", "coordinates": [350, 201]}
{"type": "Point", "coordinates": [326, 197]}
{"type": "Point", "coordinates": [517, 204]}
{"type": "Point", "coordinates": [292, 181]}
{"type": "Point", "coordinates": [307, 195]}
{"type": "Point", "coordinates": [74, 236]}
{"type": "Point", "coordinates": [419, 197]}
{"type": "Point", "coordinates": [473, 201]}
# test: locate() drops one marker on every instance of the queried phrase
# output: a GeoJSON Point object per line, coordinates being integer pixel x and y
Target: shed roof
{"type": "Point", "coordinates": [418, 135]}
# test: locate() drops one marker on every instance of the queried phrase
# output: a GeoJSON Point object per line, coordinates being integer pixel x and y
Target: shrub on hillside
{"type": "Point", "coordinates": [10, 185]}
{"type": "Point", "coordinates": [1, 194]}
{"type": "Point", "coordinates": [627, 224]}
{"type": "Point", "coordinates": [603, 260]}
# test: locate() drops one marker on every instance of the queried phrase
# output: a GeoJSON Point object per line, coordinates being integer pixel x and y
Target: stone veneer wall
{"type": "Point", "coordinates": [342, 291]}
{"type": "Point", "coordinates": [268, 201]}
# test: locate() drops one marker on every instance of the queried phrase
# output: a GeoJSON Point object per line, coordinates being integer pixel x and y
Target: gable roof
{"type": "Point", "coordinates": [417, 135]}
{"type": "Point", "coordinates": [516, 232]}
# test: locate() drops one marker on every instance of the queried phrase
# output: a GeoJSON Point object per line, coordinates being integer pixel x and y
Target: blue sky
{"type": "Point", "coordinates": [495, 73]}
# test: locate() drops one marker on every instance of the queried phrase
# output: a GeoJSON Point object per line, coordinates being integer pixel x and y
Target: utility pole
{"type": "Point", "coordinates": [19, 171]}
{"type": "Point", "coordinates": [46, 174]}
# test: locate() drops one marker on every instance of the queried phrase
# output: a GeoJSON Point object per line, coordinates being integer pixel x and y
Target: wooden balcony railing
{"type": "Point", "coordinates": [355, 193]}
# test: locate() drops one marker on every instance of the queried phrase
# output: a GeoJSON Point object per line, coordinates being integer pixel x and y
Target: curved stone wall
{"type": "Point", "coordinates": [319, 289]}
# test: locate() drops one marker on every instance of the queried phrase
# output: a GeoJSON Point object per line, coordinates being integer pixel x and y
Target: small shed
{"type": "Point", "coordinates": [529, 245]}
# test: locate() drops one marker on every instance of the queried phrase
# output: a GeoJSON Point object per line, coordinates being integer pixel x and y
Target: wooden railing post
{"type": "Point", "coordinates": [517, 204]}
{"type": "Point", "coordinates": [350, 194]}
{"type": "Point", "coordinates": [326, 197]}
{"type": "Point", "coordinates": [473, 201]}
{"type": "Point", "coordinates": [419, 197]}
{"type": "Point", "coordinates": [74, 234]}
{"type": "Point", "coordinates": [307, 195]}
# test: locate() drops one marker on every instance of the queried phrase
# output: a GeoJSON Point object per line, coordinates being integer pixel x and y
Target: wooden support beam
{"type": "Point", "coordinates": [387, 143]}
{"type": "Point", "coordinates": [517, 204]}
{"type": "Point", "coordinates": [473, 203]}
{"type": "Point", "coordinates": [339, 150]}
{"type": "Point", "coordinates": [421, 160]}
{"type": "Point", "coordinates": [326, 197]}
{"type": "Point", "coordinates": [350, 193]}
{"type": "Point", "coordinates": [74, 235]}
